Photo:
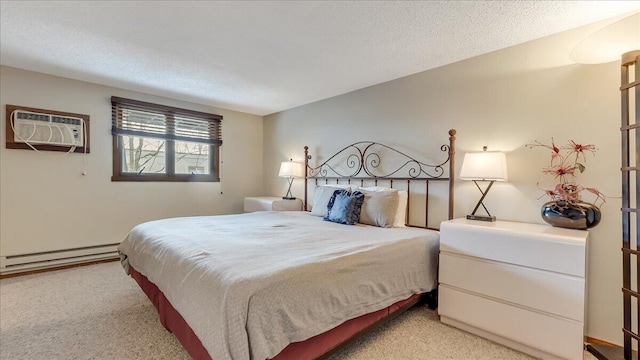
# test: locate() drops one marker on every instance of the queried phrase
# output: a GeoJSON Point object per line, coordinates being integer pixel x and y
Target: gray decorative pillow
{"type": "Point", "coordinates": [379, 208]}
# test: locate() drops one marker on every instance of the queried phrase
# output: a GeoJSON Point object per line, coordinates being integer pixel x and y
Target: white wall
{"type": "Point", "coordinates": [504, 100]}
{"type": "Point", "coordinates": [46, 203]}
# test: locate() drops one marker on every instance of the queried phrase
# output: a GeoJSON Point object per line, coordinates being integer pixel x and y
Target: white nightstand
{"type": "Point", "coordinates": [521, 285]}
{"type": "Point", "coordinates": [271, 203]}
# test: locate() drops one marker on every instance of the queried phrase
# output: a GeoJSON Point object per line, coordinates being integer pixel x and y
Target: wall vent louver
{"type": "Point", "coordinates": [48, 259]}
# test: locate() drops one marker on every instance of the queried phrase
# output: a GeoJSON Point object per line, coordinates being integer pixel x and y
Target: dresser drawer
{"type": "Point", "coordinates": [557, 336]}
{"type": "Point", "coordinates": [531, 245]}
{"type": "Point", "coordinates": [554, 293]}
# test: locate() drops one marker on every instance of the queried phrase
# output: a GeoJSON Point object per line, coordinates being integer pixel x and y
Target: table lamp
{"type": "Point", "coordinates": [290, 170]}
{"type": "Point", "coordinates": [488, 166]}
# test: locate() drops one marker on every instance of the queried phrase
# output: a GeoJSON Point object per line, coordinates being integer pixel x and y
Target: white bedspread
{"type": "Point", "coordinates": [250, 284]}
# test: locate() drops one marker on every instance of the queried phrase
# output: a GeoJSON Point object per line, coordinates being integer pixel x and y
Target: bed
{"type": "Point", "coordinates": [289, 285]}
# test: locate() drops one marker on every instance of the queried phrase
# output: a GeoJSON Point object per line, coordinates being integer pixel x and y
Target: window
{"type": "Point", "coordinates": [160, 143]}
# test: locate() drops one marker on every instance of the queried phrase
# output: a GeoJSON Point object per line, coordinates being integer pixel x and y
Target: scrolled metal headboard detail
{"type": "Point", "coordinates": [362, 161]}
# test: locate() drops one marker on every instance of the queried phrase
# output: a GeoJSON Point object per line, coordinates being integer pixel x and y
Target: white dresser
{"type": "Point", "coordinates": [521, 285]}
{"type": "Point", "coordinates": [271, 203]}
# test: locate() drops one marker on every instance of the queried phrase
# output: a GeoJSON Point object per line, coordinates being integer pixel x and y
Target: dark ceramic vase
{"type": "Point", "coordinates": [580, 216]}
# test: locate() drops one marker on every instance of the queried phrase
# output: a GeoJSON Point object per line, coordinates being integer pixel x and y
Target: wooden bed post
{"type": "Point", "coordinates": [306, 174]}
{"type": "Point", "coordinates": [452, 168]}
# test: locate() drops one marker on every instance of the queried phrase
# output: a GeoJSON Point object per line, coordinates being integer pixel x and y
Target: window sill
{"type": "Point", "coordinates": [155, 178]}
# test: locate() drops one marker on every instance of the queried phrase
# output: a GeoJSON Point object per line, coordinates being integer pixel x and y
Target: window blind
{"type": "Point", "coordinates": [138, 118]}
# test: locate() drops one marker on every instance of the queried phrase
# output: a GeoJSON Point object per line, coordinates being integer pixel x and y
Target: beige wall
{"type": "Point", "coordinates": [504, 100]}
{"type": "Point", "coordinates": [46, 203]}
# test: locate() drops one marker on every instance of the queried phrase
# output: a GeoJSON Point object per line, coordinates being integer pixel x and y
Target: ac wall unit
{"type": "Point", "coordinates": [38, 128]}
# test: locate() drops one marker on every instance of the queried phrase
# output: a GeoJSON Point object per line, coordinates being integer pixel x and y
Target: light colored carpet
{"type": "Point", "coordinates": [97, 312]}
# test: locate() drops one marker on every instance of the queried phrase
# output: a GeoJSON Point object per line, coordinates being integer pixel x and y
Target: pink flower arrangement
{"type": "Point", "coordinates": [566, 162]}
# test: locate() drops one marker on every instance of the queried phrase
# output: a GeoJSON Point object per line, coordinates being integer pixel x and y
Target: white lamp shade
{"type": "Point", "coordinates": [485, 165]}
{"type": "Point", "coordinates": [610, 42]}
{"type": "Point", "coordinates": [291, 169]}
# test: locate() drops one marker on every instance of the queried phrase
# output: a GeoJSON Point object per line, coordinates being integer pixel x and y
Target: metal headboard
{"type": "Point", "coordinates": [363, 164]}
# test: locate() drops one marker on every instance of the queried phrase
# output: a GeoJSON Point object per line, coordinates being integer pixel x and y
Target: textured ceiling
{"type": "Point", "coordinates": [267, 56]}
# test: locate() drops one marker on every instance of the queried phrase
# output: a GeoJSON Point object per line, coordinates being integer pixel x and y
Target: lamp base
{"type": "Point", "coordinates": [288, 198]}
{"type": "Point", "coordinates": [481, 218]}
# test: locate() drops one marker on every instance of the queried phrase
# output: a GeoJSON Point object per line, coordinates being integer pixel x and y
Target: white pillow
{"type": "Point", "coordinates": [322, 196]}
{"type": "Point", "coordinates": [401, 214]}
{"type": "Point", "coordinates": [403, 198]}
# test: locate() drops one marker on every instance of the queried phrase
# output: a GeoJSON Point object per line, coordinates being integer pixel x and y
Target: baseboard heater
{"type": "Point", "coordinates": [48, 259]}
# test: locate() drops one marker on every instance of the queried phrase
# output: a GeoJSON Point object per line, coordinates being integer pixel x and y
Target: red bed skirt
{"type": "Point", "coordinates": [308, 349]}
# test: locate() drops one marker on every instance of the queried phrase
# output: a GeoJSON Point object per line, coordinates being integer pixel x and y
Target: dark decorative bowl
{"type": "Point", "coordinates": [579, 216]}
